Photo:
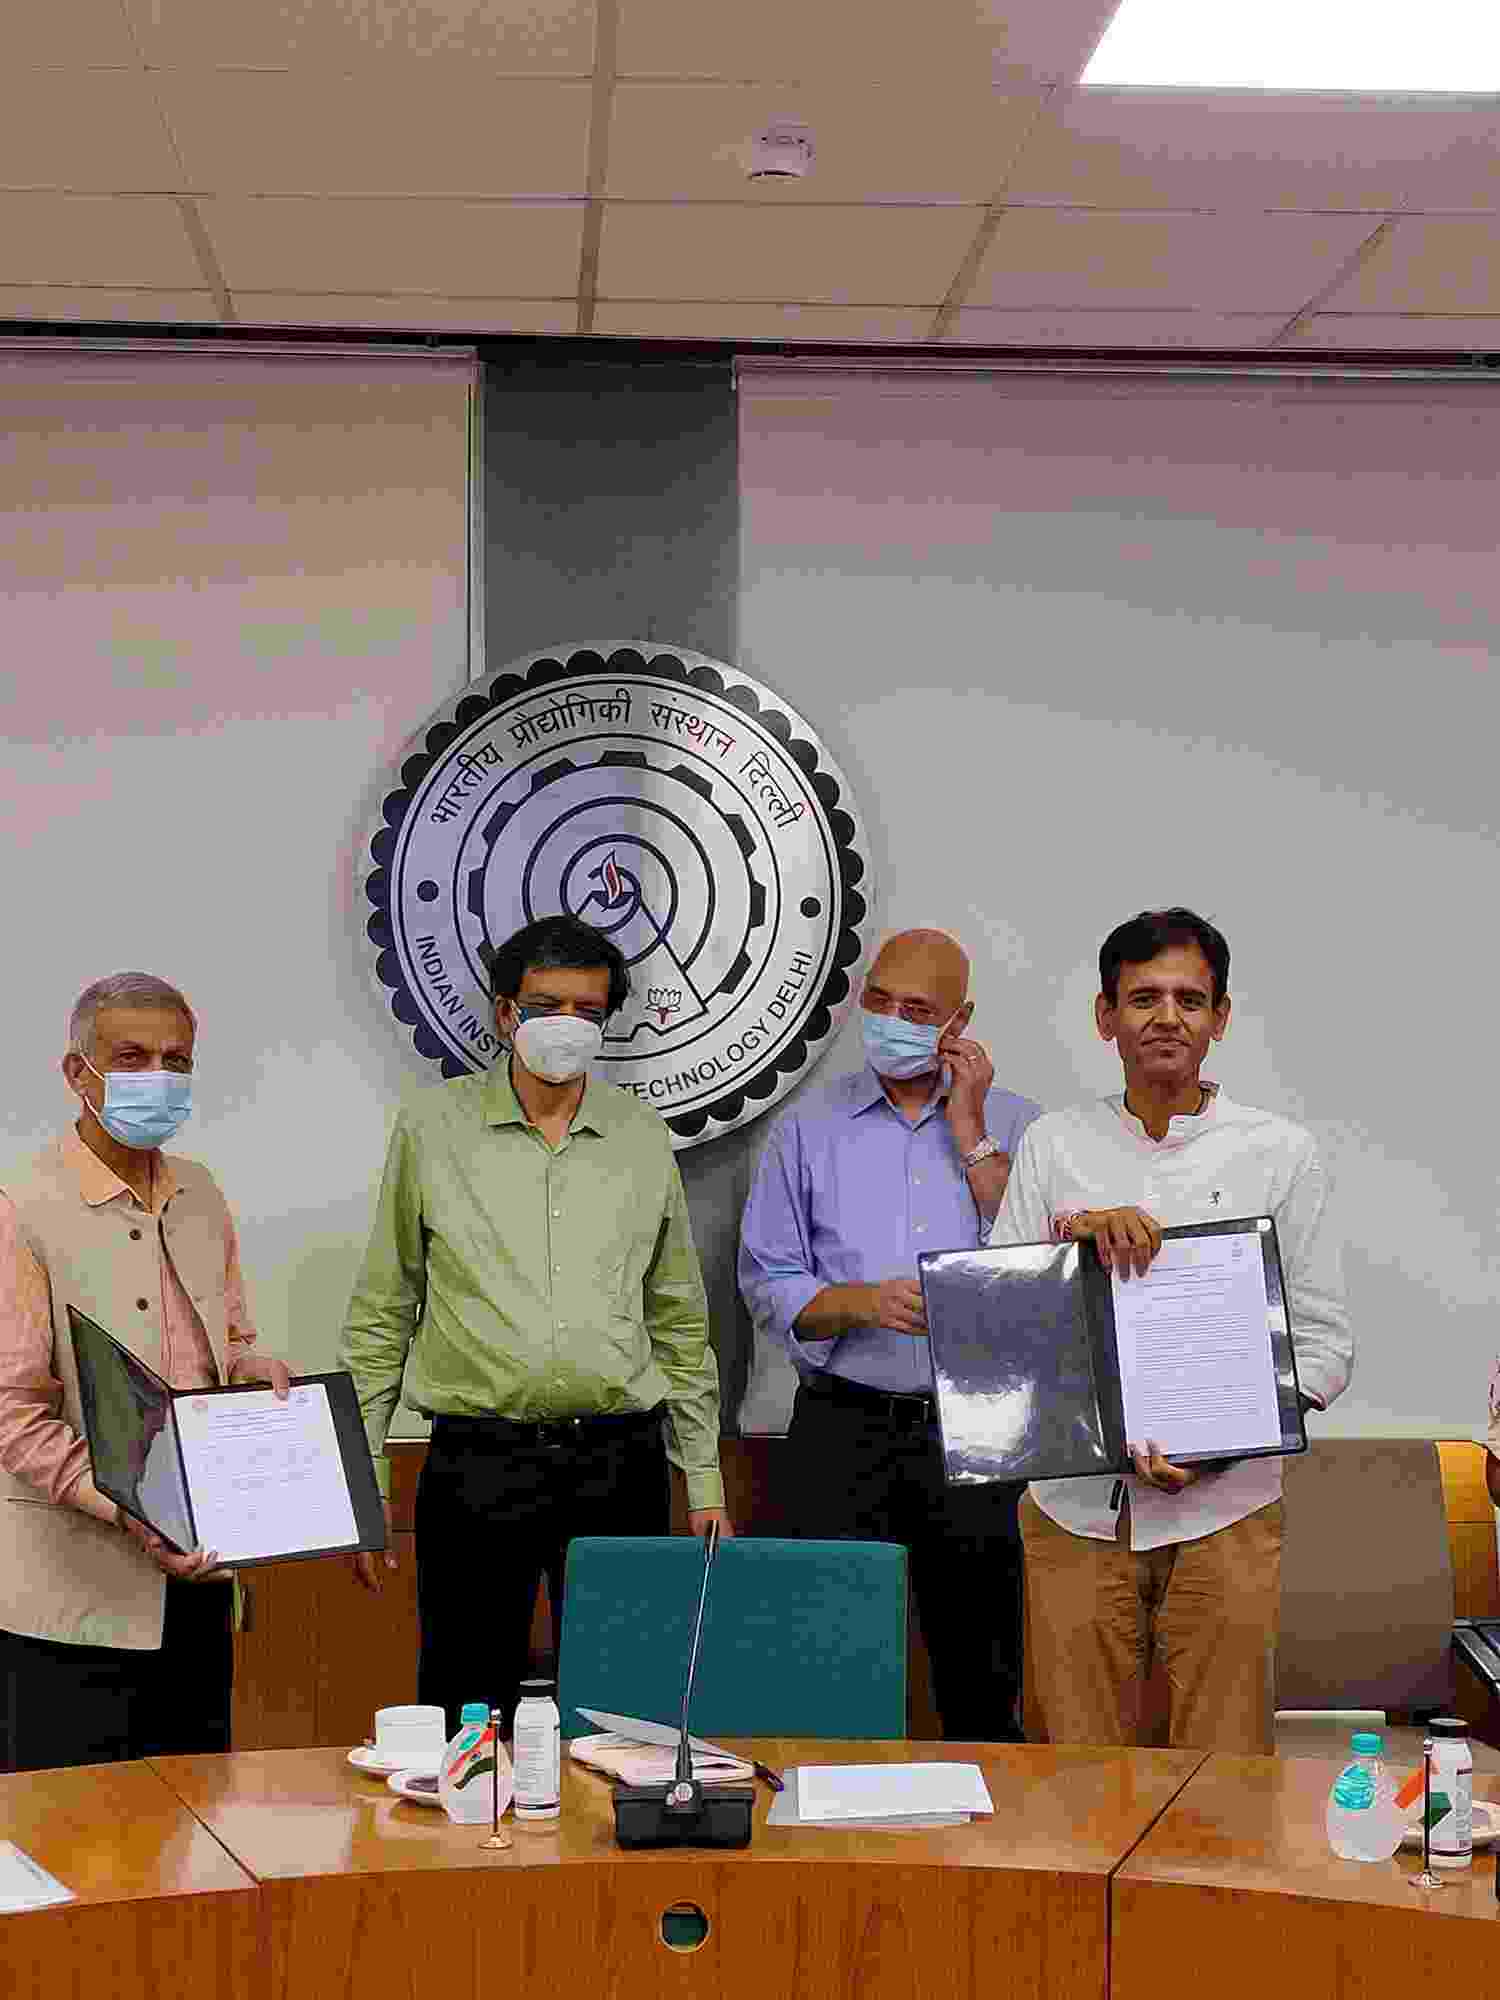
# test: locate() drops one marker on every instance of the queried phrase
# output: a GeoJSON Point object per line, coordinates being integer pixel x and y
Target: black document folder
{"type": "Point", "coordinates": [1026, 1362]}
{"type": "Point", "coordinates": [268, 1488]}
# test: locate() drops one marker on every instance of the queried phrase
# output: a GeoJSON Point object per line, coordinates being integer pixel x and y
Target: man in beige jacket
{"type": "Point", "coordinates": [111, 1645]}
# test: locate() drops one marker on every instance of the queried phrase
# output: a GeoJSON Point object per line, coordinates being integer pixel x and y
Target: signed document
{"type": "Point", "coordinates": [266, 1478]}
{"type": "Point", "coordinates": [1197, 1373]}
{"type": "Point", "coordinates": [229, 1469]}
{"type": "Point", "coordinates": [1048, 1366]}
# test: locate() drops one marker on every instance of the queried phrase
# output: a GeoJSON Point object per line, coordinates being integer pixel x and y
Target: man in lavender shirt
{"type": "Point", "coordinates": [910, 1153]}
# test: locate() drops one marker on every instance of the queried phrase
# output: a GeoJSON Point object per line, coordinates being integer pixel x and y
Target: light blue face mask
{"type": "Point", "coordinates": [144, 1108]}
{"type": "Point", "coordinates": [900, 1049]}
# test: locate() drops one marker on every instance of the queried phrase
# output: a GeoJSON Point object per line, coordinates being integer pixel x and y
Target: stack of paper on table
{"type": "Point", "coordinates": [881, 1795]}
{"type": "Point", "coordinates": [648, 1764]}
{"type": "Point", "coordinates": [25, 1884]}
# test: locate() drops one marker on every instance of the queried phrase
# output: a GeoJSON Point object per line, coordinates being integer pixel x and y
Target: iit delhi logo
{"type": "Point", "coordinates": [675, 804]}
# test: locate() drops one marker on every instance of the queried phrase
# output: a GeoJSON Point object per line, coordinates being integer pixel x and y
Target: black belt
{"type": "Point", "coordinates": [895, 1406]}
{"type": "Point", "coordinates": [556, 1432]}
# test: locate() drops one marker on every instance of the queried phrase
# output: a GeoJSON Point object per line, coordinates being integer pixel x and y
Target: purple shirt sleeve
{"type": "Point", "coordinates": [849, 1192]}
{"type": "Point", "coordinates": [776, 1264]}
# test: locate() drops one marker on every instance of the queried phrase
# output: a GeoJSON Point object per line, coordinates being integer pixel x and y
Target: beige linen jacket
{"type": "Point", "coordinates": [64, 1575]}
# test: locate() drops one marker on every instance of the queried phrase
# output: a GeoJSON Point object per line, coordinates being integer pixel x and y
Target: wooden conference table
{"type": "Point", "coordinates": [285, 1875]}
{"type": "Point", "coordinates": [1236, 1883]}
{"type": "Point", "coordinates": [161, 1909]}
{"type": "Point", "coordinates": [366, 1895]}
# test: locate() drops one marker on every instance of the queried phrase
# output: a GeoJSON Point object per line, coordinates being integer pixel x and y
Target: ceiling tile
{"type": "Point", "coordinates": [411, 314]}
{"type": "Point", "coordinates": [69, 31]}
{"type": "Point", "coordinates": [85, 128]}
{"type": "Point", "coordinates": [1079, 257]}
{"type": "Point", "coordinates": [791, 40]}
{"type": "Point", "coordinates": [688, 321]}
{"type": "Point", "coordinates": [1460, 334]}
{"type": "Point", "coordinates": [1428, 264]}
{"type": "Point", "coordinates": [554, 37]}
{"type": "Point", "coordinates": [1397, 333]}
{"type": "Point", "coordinates": [268, 133]}
{"type": "Point", "coordinates": [451, 249]}
{"type": "Point", "coordinates": [1251, 150]}
{"type": "Point", "coordinates": [1074, 328]}
{"type": "Point", "coordinates": [94, 239]}
{"type": "Point", "coordinates": [874, 142]}
{"type": "Point", "coordinates": [82, 302]}
{"type": "Point", "coordinates": [1053, 39]}
{"type": "Point", "coordinates": [831, 256]}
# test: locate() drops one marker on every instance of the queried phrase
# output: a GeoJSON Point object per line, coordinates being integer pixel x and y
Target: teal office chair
{"type": "Point", "coordinates": [800, 1638]}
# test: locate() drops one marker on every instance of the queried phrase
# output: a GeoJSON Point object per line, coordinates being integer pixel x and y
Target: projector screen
{"type": "Point", "coordinates": [232, 583]}
{"type": "Point", "coordinates": [1088, 646]}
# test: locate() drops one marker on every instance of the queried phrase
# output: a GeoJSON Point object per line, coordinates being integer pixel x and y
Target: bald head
{"type": "Point", "coordinates": [924, 970]}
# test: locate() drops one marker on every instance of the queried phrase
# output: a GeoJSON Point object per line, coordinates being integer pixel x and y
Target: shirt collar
{"type": "Point", "coordinates": [98, 1183]}
{"type": "Point", "coordinates": [866, 1090]}
{"type": "Point", "coordinates": [1182, 1129]}
{"type": "Point", "coordinates": [502, 1107]}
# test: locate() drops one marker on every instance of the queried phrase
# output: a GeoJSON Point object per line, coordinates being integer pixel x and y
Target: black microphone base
{"type": "Point", "coordinates": [722, 1817]}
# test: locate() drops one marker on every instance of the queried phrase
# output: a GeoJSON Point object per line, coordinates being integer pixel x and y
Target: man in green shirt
{"type": "Point", "coordinates": [532, 1275]}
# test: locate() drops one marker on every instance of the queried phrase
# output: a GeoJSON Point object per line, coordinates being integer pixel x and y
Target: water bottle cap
{"type": "Point", "coordinates": [1447, 1727]}
{"type": "Point", "coordinates": [473, 1711]}
{"type": "Point", "coordinates": [1367, 1744]}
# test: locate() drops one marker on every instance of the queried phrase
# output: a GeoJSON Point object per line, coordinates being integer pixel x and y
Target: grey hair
{"type": "Point", "coordinates": [121, 989]}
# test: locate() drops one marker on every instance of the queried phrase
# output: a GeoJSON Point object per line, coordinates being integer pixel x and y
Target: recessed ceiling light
{"type": "Point", "coordinates": [1451, 47]}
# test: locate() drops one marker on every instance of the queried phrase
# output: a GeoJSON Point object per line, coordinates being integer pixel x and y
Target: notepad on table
{"type": "Point", "coordinates": [25, 1884]}
{"type": "Point", "coordinates": [890, 1794]}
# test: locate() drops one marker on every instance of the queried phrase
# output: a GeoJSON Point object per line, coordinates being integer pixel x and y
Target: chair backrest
{"type": "Point", "coordinates": [1366, 1578]}
{"type": "Point", "coordinates": [801, 1638]}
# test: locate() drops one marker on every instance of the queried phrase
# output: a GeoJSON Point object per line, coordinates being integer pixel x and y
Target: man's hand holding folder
{"type": "Point", "coordinates": [1126, 1238]}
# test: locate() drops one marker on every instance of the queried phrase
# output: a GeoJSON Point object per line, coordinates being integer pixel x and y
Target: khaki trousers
{"type": "Point", "coordinates": [1100, 1615]}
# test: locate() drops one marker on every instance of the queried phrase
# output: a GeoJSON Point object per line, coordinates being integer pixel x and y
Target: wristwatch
{"type": "Point", "coordinates": [985, 1150]}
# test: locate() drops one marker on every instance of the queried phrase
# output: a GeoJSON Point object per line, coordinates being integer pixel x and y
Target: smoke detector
{"type": "Point", "coordinates": [782, 152]}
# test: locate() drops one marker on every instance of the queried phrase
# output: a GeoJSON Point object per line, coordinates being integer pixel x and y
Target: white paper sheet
{"type": "Point", "coordinates": [890, 1791]}
{"type": "Point", "coordinates": [1196, 1369]}
{"type": "Point", "coordinates": [266, 1478]}
{"type": "Point", "coordinates": [25, 1884]}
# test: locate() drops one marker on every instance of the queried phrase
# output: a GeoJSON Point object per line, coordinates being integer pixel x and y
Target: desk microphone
{"type": "Point", "coordinates": [684, 1813]}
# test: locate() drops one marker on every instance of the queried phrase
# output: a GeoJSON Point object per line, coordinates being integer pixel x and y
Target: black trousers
{"type": "Point", "coordinates": [497, 1505]}
{"type": "Point", "coordinates": [867, 1467]}
{"type": "Point", "coordinates": [62, 1704]}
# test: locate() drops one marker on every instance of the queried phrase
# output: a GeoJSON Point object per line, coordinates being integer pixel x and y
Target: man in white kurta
{"type": "Point", "coordinates": [1176, 1564]}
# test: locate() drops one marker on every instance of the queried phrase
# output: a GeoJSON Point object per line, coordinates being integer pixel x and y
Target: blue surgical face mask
{"type": "Point", "coordinates": [900, 1049]}
{"type": "Point", "coordinates": [143, 1108]}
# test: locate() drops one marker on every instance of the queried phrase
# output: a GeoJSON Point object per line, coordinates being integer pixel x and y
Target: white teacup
{"type": "Point", "coordinates": [414, 1734]}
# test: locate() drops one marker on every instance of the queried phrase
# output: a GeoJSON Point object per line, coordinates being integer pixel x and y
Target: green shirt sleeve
{"type": "Point", "coordinates": [676, 1316]}
{"type": "Point", "coordinates": [388, 1297]}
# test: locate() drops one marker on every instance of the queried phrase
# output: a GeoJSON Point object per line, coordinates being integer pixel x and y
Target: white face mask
{"type": "Point", "coordinates": [558, 1047]}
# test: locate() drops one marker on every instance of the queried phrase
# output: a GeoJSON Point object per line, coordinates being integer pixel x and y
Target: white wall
{"type": "Point", "coordinates": [1091, 646]}
{"type": "Point", "coordinates": [231, 586]}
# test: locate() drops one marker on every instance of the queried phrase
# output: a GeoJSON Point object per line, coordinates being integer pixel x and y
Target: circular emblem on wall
{"type": "Point", "coordinates": [674, 803]}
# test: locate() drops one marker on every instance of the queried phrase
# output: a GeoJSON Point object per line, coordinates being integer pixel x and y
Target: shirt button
{"type": "Point", "coordinates": [557, 1215]}
{"type": "Point", "coordinates": [921, 1229]}
{"type": "Point", "coordinates": [144, 1304]}
{"type": "Point", "coordinates": [135, 1236]}
{"type": "Point", "coordinates": [916, 1180]}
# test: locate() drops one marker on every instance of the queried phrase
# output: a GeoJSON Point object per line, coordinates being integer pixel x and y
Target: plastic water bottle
{"type": "Point", "coordinates": [466, 1778]}
{"type": "Point", "coordinates": [1452, 1838]}
{"type": "Point", "coordinates": [1363, 1822]}
{"type": "Point", "coordinates": [538, 1748]}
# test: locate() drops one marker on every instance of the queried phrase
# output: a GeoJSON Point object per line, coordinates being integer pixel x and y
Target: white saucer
{"type": "Point", "coordinates": [377, 1764]}
{"type": "Point", "coordinates": [1486, 1829]}
{"type": "Point", "coordinates": [400, 1782]}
